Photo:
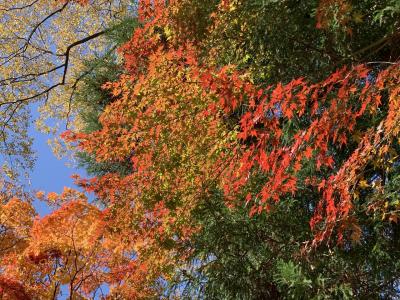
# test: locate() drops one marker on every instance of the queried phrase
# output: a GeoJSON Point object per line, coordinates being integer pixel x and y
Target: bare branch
{"type": "Point", "coordinates": [23, 48]}
{"type": "Point", "coordinates": [20, 7]}
{"type": "Point", "coordinates": [64, 65]}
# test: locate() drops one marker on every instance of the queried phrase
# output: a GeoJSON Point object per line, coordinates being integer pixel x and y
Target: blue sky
{"type": "Point", "coordinates": [49, 174]}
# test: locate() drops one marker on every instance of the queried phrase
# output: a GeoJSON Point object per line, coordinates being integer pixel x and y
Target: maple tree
{"type": "Point", "coordinates": [226, 167]}
{"type": "Point", "coordinates": [145, 127]}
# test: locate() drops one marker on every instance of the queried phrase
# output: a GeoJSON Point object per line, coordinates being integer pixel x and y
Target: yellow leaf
{"type": "Point", "coordinates": [363, 184]}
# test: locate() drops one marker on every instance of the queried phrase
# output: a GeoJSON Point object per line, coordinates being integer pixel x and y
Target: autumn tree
{"type": "Point", "coordinates": [41, 66]}
{"type": "Point", "coordinates": [232, 100]}
{"type": "Point", "coordinates": [242, 149]}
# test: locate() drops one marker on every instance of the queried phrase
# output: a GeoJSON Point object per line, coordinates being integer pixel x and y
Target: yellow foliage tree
{"type": "Point", "coordinates": [43, 46]}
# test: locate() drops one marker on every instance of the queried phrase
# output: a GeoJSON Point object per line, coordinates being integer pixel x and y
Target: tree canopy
{"type": "Point", "coordinates": [238, 149]}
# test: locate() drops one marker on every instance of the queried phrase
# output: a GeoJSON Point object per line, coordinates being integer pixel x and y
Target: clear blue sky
{"type": "Point", "coordinates": [49, 174]}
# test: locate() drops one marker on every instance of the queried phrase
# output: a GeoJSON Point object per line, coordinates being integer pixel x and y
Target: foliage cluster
{"type": "Point", "coordinates": [240, 150]}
